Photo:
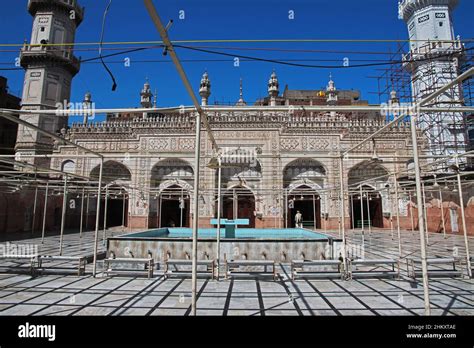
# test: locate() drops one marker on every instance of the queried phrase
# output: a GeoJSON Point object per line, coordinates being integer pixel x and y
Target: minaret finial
{"type": "Point", "coordinates": [241, 95]}
{"type": "Point", "coordinates": [241, 90]}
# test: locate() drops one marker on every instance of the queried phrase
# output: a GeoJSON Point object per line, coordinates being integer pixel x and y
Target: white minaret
{"type": "Point", "coordinates": [433, 62]}
{"type": "Point", "coordinates": [273, 88]}
{"type": "Point", "coordinates": [49, 71]}
{"type": "Point", "coordinates": [205, 89]}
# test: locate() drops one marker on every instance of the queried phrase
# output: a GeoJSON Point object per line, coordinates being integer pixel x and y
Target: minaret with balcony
{"type": "Point", "coordinates": [146, 96]}
{"type": "Point", "coordinates": [273, 88]}
{"type": "Point", "coordinates": [205, 89]}
{"type": "Point", "coordinates": [433, 61]}
{"type": "Point", "coordinates": [50, 66]}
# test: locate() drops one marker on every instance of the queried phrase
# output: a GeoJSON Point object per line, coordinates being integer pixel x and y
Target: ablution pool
{"type": "Point", "coordinates": [280, 245]}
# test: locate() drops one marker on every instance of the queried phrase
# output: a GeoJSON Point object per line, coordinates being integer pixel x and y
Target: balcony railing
{"type": "Point", "coordinates": [64, 54]}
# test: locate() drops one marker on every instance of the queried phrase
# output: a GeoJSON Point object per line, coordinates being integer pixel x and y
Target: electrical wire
{"type": "Point", "coordinates": [114, 86]}
{"type": "Point", "coordinates": [241, 41]}
{"type": "Point", "coordinates": [290, 62]}
{"type": "Point", "coordinates": [313, 66]}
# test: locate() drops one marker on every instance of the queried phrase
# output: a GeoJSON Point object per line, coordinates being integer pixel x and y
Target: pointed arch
{"type": "Point", "coordinates": [304, 169]}
{"type": "Point", "coordinates": [68, 166]}
{"type": "Point", "coordinates": [367, 209]}
{"type": "Point", "coordinates": [112, 171]}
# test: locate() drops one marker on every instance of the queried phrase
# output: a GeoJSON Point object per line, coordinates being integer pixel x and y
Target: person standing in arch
{"type": "Point", "coordinates": [298, 220]}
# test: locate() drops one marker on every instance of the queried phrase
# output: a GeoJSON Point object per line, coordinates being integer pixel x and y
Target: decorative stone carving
{"type": "Point", "coordinates": [289, 143]}
{"type": "Point", "coordinates": [318, 144]}
{"type": "Point", "coordinates": [186, 144]}
{"type": "Point", "coordinates": [158, 143]}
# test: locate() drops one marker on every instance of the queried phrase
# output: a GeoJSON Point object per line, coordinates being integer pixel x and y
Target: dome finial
{"type": "Point", "coordinates": [241, 95]}
{"type": "Point", "coordinates": [241, 90]}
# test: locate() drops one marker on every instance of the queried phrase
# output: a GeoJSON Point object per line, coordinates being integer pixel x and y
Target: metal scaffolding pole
{"type": "Point", "coordinates": [105, 214]}
{"type": "Point", "coordinates": [97, 217]}
{"type": "Point", "coordinates": [463, 217]}
{"type": "Point", "coordinates": [397, 205]}
{"type": "Point", "coordinates": [87, 211]}
{"type": "Point", "coordinates": [368, 214]}
{"type": "Point", "coordinates": [361, 209]}
{"type": "Point", "coordinates": [219, 181]}
{"type": "Point", "coordinates": [130, 210]}
{"type": "Point", "coordinates": [200, 117]}
{"type": "Point", "coordinates": [352, 212]}
{"type": "Point", "coordinates": [82, 213]}
{"type": "Point", "coordinates": [327, 212]}
{"type": "Point", "coordinates": [123, 212]}
{"type": "Point", "coordinates": [282, 108]}
{"type": "Point", "coordinates": [391, 213]}
{"type": "Point", "coordinates": [442, 213]}
{"type": "Point", "coordinates": [44, 211]}
{"type": "Point", "coordinates": [368, 219]}
{"type": "Point", "coordinates": [147, 219]}
{"type": "Point", "coordinates": [411, 214]}
{"type": "Point", "coordinates": [421, 220]}
{"type": "Point", "coordinates": [339, 224]}
{"type": "Point", "coordinates": [343, 231]}
{"type": "Point", "coordinates": [181, 207]}
{"type": "Point", "coordinates": [197, 155]}
{"type": "Point", "coordinates": [159, 212]}
{"type": "Point", "coordinates": [425, 212]}
{"type": "Point", "coordinates": [63, 216]}
{"type": "Point", "coordinates": [34, 211]}
{"type": "Point", "coordinates": [314, 211]}
{"type": "Point", "coordinates": [235, 204]}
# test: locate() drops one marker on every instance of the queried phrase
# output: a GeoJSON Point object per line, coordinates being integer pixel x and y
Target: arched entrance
{"type": "Point", "coordinates": [117, 207]}
{"type": "Point", "coordinates": [116, 178]}
{"type": "Point", "coordinates": [371, 206]}
{"type": "Point", "coordinates": [365, 201]}
{"type": "Point", "coordinates": [239, 203]}
{"type": "Point", "coordinates": [308, 203]}
{"type": "Point", "coordinates": [175, 206]}
{"type": "Point", "coordinates": [303, 179]}
{"type": "Point", "coordinates": [170, 189]}
{"type": "Point", "coordinates": [241, 177]}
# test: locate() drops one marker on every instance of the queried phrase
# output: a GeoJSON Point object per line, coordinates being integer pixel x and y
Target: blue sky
{"type": "Point", "coordinates": [218, 19]}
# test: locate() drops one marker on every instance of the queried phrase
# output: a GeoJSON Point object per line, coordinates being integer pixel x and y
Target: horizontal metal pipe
{"type": "Point", "coordinates": [290, 109]}
{"type": "Point", "coordinates": [10, 115]}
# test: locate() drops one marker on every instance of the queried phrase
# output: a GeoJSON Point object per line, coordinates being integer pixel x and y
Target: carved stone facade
{"type": "Point", "coordinates": [275, 155]}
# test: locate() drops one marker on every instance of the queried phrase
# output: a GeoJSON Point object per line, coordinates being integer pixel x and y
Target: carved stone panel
{"type": "Point", "coordinates": [304, 143]}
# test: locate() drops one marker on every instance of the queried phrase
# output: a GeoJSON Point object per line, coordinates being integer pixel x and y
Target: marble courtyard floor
{"type": "Point", "coordinates": [55, 294]}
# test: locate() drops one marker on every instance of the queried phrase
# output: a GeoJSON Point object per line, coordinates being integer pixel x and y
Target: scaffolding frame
{"type": "Point", "coordinates": [436, 126]}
